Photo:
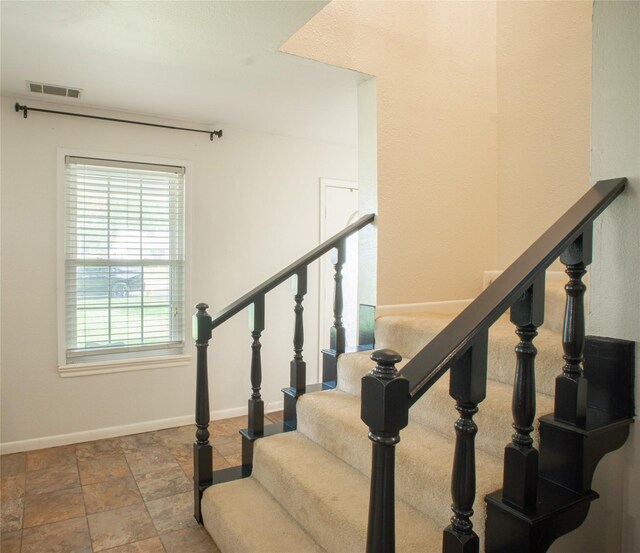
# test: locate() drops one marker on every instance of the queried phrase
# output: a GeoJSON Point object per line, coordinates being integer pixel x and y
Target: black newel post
{"type": "Point", "coordinates": [202, 450]}
{"type": "Point", "coordinates": [520, 483]}
{"type": "Point", "coordinates": [468, 386]}
{"type": "Point", "coordinates": [571, 385]}
{"type": "Point", "coordinates": [256, 405]}
{"type": "Point", "coordinates": [385, 410]}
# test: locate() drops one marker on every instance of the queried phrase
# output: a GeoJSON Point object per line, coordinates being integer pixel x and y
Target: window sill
{"type": "Point", "coordinates": [124, 365]}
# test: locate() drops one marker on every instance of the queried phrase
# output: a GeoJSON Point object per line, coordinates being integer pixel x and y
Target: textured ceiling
{"type": "Point", "coordinates": [211, 62]}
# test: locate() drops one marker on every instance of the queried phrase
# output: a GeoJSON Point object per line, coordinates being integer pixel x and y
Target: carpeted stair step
{"type": "Point", "coordinates": [408, 334]}
{"type": "Point", "coordinates": [423, 457]}
{"type": "Point", "coordinates": [242, 517]}
{"type": "Point", "coordinates": [330, 499]}
{"type": "Point", "coordinates": [502, 359]}
{"type": "Point", "coordinates": [436, 409]}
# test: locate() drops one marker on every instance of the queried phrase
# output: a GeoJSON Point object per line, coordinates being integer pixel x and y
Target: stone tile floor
{"type": "Point", "coordinates": [121, 495]}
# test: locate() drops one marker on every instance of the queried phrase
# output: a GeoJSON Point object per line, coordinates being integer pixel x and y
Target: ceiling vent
{"type": "Point", "coordinates": [53, 89]}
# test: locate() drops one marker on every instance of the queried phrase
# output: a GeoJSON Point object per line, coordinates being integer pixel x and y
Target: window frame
{"type": "Point", "coordinates": [119, 362]}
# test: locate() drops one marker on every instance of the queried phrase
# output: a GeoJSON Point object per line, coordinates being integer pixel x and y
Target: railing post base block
{"type": "Point", "coordinates": [455, 542]}
{"type": "Point", "coordinates": [520, 476]}
{"type": "Point", "coordinates": [202, 474]}
{"type": "Point", "coordinates": [247, 451]}
{"type": "Point", "coordinates": [329, 365]}
{"type": "Point", "coordinates": [256, 416]}
{"type": "Point", "coordinates": [571, 399]}
{"type": "Point", "coordinates": [290, 413]}
{"type": "Point", "coordinates": [298, 375]}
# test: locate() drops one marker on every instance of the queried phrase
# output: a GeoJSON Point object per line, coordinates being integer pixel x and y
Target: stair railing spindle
{"type": "Point", "coordinates": [202, 449]}
{"type": "Point", "coordinates": [520, 481]}
{"type": "Point", "coordinates": [338, 337]}
{"type": "Point", "coordinates": [298, 365]}
{"type": "Point", "coordinates": [256, 405]}
{"type": "Point", "coordinates": [571, 385]}
{"type": "Point", "coordinates": [385, 410]}
{"type": "Point", "coordinates": [468, 386]}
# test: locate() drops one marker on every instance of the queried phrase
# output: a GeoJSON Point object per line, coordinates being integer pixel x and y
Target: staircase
{"type": "Point", "coordinates": [310, 485]}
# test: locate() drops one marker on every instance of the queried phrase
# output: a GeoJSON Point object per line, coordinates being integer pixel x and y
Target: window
{"type": "Point", "coordinates": [123, 260]}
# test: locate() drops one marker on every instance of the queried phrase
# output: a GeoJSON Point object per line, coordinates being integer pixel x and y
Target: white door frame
{"type": "Point", "coordinates": [324, 184]}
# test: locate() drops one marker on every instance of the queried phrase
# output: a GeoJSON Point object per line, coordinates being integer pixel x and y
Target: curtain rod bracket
{"type": "Point", "coordinates": [25, 109]}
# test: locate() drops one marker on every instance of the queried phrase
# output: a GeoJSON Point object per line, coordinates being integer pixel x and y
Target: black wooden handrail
{"type": "Point", "coordinates": [289, 271]}
{"type": "Point", "coordinates": [452, 342]}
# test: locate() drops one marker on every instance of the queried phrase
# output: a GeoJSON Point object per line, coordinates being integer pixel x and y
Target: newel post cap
{"type": "Point", "coordinates": [201, 324]}
{"type": "Point", "coordinates": [385, 395]}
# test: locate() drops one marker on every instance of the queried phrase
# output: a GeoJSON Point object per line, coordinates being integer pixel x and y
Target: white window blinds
{"type": "Point", "coordinates": [124, 259]}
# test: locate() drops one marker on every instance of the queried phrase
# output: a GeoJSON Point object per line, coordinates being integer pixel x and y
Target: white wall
{"type": "Point", "coordinates": [435, 71]}
{"type": "Point", "coordinates": [249, 191]}
{"type": "Point", "coordinates": [615, 290]}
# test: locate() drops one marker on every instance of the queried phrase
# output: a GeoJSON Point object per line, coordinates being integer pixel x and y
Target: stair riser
{"type": "Point", "coordinates": [570, 458]}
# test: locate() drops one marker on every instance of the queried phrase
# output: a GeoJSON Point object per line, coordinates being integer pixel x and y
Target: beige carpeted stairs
{"type": "Point", "coordinates": [309, 491]}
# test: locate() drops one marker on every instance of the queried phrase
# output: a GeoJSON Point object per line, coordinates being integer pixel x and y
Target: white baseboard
{"type": "Point", "coordinates": [123, 430]}
{"type": "Point", "coordinates": [429, 307]}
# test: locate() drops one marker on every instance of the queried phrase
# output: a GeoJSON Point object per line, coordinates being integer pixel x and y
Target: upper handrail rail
{"type": "Point", "coordinates": [440, 353]}
{"type": "Point", "coordinates": [277, 279]}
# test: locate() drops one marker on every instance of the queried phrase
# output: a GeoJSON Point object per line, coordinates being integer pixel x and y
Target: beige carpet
{"type": "Point", "coordinates": [309, 491]}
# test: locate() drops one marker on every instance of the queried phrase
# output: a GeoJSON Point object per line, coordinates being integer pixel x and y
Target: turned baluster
{"type": "Point", "coordinates": [571, 385]}
{"type": "Point", "coordinates": [298, 365]}
{"type": "Point", "coordinates": [202, 449]}
{"type": "Point", "coordinates": [468, 386]}
{"type": "Point", "coordinates": [520, 482]}
{"type": "Point", "coordinates": [256, 405]}
{"type": "Point", "coordinates": [385, 410]}
{"type": "Point", "coordinates": [338, 339]}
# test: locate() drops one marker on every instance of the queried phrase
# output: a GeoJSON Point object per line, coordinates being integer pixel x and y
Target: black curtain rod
{"type": "Point", "coordinates": [25, 110]}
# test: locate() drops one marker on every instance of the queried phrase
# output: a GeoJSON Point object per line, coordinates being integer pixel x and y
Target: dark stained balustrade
{"type": "Point", "coordinates": [461, 348]}
{"type": "Point", "coordinates": [545, 493]}
{"type": "Point", "coordinates": [204, 324]}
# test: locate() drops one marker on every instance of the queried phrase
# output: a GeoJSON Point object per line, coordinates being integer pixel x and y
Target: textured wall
{"type": "Point", "coordinates": [434, 64]}
{"type": "Point", "coordinates": [543, 56]}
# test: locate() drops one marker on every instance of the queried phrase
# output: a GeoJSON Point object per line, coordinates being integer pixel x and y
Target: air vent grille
{"type": "Point", "coordinates": [53, 89]}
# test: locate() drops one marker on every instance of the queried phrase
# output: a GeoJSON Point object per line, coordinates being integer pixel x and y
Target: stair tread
{"type": "Point", "coordinates": [242, 517]}
{"type": "Point", "coordinates": [343, 434]}
{"type": "Point", "coordinates": [323, 492]}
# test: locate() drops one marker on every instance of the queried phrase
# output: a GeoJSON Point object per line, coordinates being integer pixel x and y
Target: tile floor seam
{"type": "Point", "coordinates": [146, 508]}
